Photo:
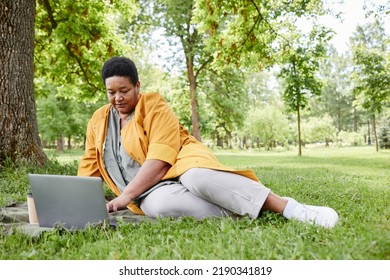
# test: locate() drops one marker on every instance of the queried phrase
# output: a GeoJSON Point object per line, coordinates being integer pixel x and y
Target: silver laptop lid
{"type": "Point", "coordinates": [72, 201]}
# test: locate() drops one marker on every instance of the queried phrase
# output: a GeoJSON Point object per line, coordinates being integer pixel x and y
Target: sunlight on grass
{"type": "Point", "coordinates": [66, 156]}
{"type": "Point", "coordinates": [315, 151]}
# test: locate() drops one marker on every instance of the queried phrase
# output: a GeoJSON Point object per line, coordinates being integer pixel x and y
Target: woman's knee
{"type": "Point", "coordinates": [176, 201]}
{"type": "Point", "coordinates": [195, 177]}
{"type": "Point", "coordinates": [157, 205]}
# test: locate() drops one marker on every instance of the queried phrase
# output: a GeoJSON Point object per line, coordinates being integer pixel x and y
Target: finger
{"type": "Point", "coordinates": [110, 207]}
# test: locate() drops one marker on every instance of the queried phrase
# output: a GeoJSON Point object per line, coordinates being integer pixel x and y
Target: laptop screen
{"type": "Point", "coordinates": [69, 201]}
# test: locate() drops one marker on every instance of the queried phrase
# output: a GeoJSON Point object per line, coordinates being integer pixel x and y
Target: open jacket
{"type": "Point", "coordinates": [153, 133]}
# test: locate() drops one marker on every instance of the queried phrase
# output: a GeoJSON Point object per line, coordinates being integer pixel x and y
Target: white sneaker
{"type": "Point", "coordinates": [318, 215]}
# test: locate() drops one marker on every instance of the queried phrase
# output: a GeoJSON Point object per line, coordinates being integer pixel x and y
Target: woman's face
{"type": "Point", "coordinates": [123, 95]}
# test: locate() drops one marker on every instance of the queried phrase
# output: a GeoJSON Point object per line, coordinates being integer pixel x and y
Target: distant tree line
{"type": "Point", "coordinates": [239, 74]}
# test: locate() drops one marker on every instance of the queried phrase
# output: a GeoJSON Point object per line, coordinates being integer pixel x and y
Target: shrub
{"type": "Point", "coordinates": [350, 138]}
{"type": "Point", "coordinates": [384, 136]}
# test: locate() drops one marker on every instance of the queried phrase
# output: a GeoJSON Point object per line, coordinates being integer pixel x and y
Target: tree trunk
{"type": "Point", "coordinates": [355, 120]}
{"type": "Point", "coordinates": [244, 143]}
{"type": "Point", "coordinates": [19, 139]}
{"type": "Point", "coordinates": [69, 142]}
{"type": "Point", "coordinates": [299, 132]}
{"type": "Point", "coordinates": [60, 143]}
{"type": "Point", "coordinates": [375, 133]}
{"type": "Point", "coordinates": [195, 120]}
{"type": "Point", "coordinates": [219, 141]}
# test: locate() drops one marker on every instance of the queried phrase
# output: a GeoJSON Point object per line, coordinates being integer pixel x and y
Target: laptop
{"type": "Point", "coordinates": [67, 201]}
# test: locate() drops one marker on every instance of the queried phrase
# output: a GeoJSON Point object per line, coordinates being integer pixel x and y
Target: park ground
{"type": "Point", "coordinates": [353, 180]}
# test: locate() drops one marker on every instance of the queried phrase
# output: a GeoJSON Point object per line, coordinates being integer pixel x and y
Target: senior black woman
{"type": "Point", "coordinates": [156, 168]}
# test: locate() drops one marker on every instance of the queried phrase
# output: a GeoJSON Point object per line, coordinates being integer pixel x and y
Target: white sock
{"type": "Point", "coordinates": [289, 209]}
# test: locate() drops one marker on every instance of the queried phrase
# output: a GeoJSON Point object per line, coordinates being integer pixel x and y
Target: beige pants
{"type": "Point", "coordinates": [202, 193]}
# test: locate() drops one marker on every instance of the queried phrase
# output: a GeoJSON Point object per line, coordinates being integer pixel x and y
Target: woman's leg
{"type": "Point", "coordinates": [275, 203]}
{"type": "Point", "coordinates": [234, 192]}
{"type": "Point", "coordinates": [244, 196]}
{"type": "Point", "coordinates": [176, 201]}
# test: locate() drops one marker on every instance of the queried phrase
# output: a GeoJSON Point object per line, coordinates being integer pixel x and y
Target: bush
{"type": "Point", "coordinates": [384, 136]}
{"type": "Point", "coordinates": [14, 183]}
{"type": "Point", "coordinates": [318, 130]}
{"type": "Point", "coordinates": [349, 138]}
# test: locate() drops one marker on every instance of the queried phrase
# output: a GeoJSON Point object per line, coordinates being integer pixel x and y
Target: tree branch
{"type": "Point", "coordinates": [208, 61]}
{"type": "Point", "coordinates": [267, 22]}
{"type": "Point", "coordinates": [53, 22]}
{"type": "Point", "coordinates": [83, 70]}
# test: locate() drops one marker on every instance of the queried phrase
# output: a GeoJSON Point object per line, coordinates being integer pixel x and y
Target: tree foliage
{"type": "Point", "coordinates": [336, 97]}
{"type": "Point", "coordinates": [73, 39]}
{"type": "Point", "coordinates": [269, 124]}
{"type": "Point", "coordinates": [372, 69]}
{"type": "Point", "coordinates": [319, 130]}
{"type": "Point", "coordinates": [177, 23]}
{"type": "Point", "coordinates": [258, 34]}
{"type": "Point", "coordinates": [224, 101]}
{"type": "Point", "coordinates": [263, 87]}
{"type": "Point", "coordinates": [300, 70]}
{"type": "Point", "coordinates": [248, 32]}
{"type": "Point", "coordinates": [384, 131]}
{"type": "Point", "coordinates": [60, 118]}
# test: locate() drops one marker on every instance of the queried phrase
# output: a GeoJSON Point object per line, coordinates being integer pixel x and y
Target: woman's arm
{"type": "Point", "coordinates": [150, 173]}
{"type": "Point", "coordinates": [88, 164]}
{"type": "Point", "coordinates": [158, 129]}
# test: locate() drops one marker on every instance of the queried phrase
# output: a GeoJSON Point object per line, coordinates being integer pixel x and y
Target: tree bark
{"type": "Point", "coordinates": [375, 132]}
{"type": "Point", "coordinates": [69, 142]}
{"type": "Point", "coordinates": [355, 120]}
{"type": "Point", "coordinates": [60, 143]}
{"type": "Point", "coordinates": [299, 132]}
{"type": "Point", "coordinates": [19, 139]}
{"type": "Point", "coordinates": [195, 120]}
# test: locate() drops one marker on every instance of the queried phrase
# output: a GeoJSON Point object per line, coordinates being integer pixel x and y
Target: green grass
{"type": "Point", "coordinates": [354, 181]}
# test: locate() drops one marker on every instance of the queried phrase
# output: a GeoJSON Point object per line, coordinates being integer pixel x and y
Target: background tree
{"type": "Point", "coordinates": [177, 23]}
{"type": "Point", "coordinates": [73, 40]}
{"type": "Point", "coordinates": [336, 98]}
{"type": "Point", "coordinates": [253, 34]}
{"type": "Point", "coordinates": [267, 125]}
{"type": "Point", "coordinates": [62, 119]}
{"type": "Point", "coordinates": [384, 130]}
{"type": "Point", "coordinates": [224, 101]}
{"type": "Point", "coordinates": [372, 71]}
{"type": "Point", "coordinates": [263, 87]}
{"type": "Point", "coordinates": [19, 138]}
{"type": "Point", "coordinates": [301, 63]}
{"type": "Point", "coordinates": [319, 130]}
{"type": "Point", "coordinates": [248, 33]}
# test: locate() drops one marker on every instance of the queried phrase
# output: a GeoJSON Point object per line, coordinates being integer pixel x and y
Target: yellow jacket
{"type": "Point", "coordinates": [153, 133]}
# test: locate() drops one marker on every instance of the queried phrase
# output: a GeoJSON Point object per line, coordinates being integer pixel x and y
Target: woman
{"type": "Point", "coordinates": [155, 167]}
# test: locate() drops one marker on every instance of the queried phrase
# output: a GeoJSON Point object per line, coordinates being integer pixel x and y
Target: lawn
{"type": "Point", "coordinates": [354, 181]}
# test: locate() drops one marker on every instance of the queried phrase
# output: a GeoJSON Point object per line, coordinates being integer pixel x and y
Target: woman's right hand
{"type": "Point", "coordinates": [118, 203]}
